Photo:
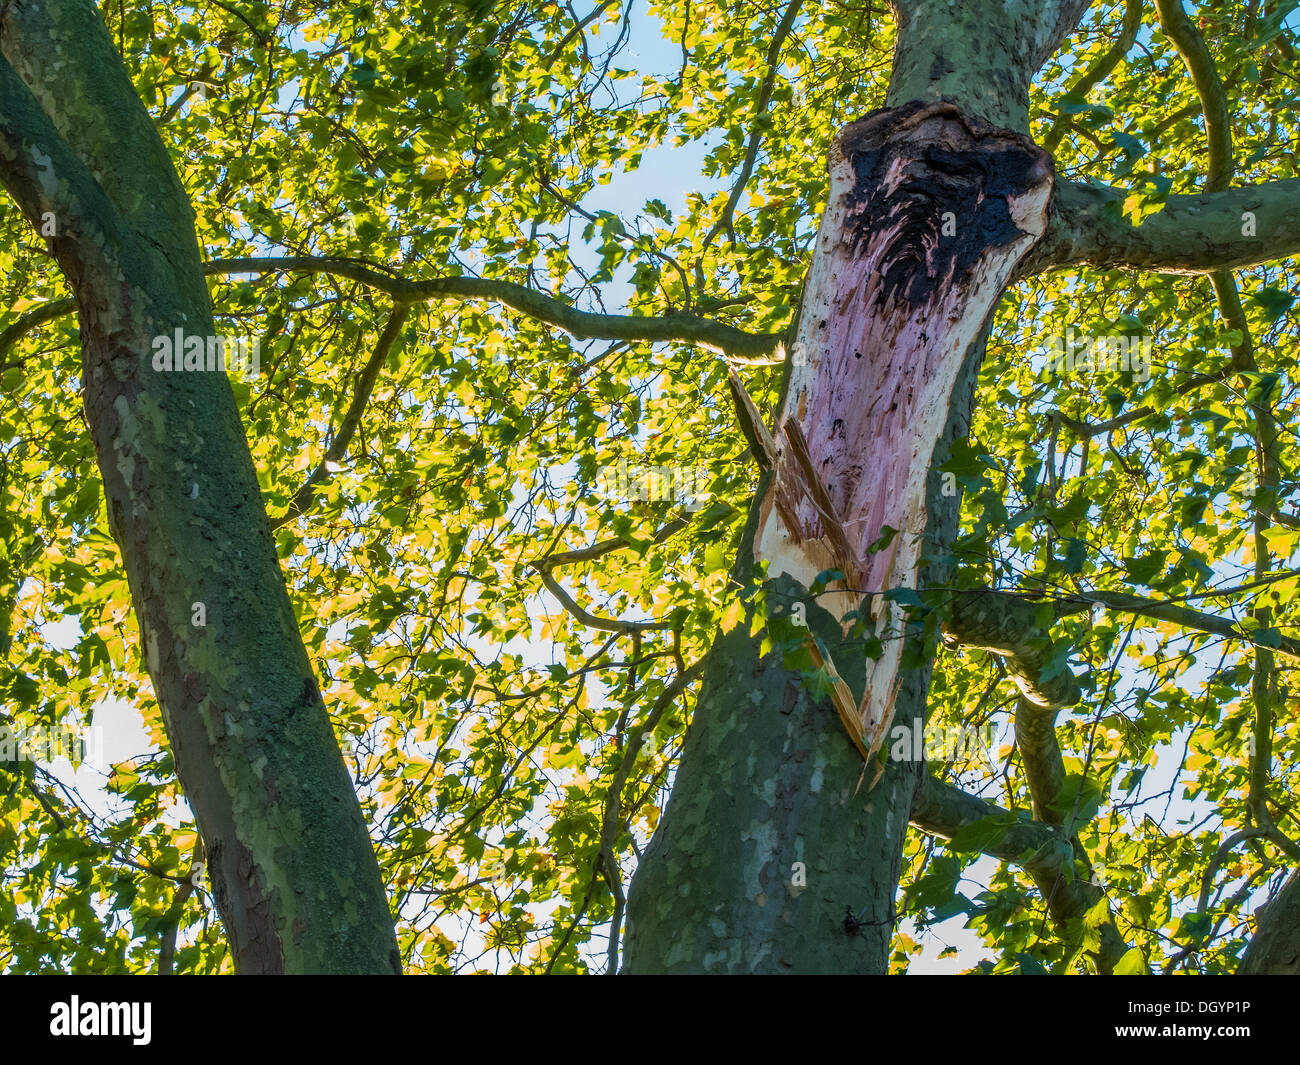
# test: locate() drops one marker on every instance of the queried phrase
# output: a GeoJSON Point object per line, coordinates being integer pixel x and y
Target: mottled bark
{"type": "Point", "coordinates": [289, 859]}
{"type": "Point", "coordinates": [1275, 949]}
{"type": "Point", "coordinates": [980, 56]}
{"type": "Point", "coordinates": [768, 779]}
{"type": "Point", "coordinates": [1040, 756]}
{"type": "Point", "coordinates": [1007, 625]}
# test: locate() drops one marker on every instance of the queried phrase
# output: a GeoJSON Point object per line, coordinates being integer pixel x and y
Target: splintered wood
{"type": "Point", "coordinates": [929, 213]}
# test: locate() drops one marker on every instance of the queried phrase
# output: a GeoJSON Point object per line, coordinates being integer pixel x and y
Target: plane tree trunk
{"type": "Point", "coordinates": [933, 202]}
{"type": "Point", "coordinates": [1275, 948]}
{"type": "Point", "coordinates": [289, 859]}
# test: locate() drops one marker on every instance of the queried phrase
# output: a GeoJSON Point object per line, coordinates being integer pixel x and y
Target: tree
{"type": "Point", "coordinates": [815, 480]}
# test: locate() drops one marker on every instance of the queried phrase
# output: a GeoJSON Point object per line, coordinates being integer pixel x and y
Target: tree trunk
{"type": "Point", "coordinates": [1275, 948]}
{"type": "Point", "coordinates": [930, 210]}
{"type": "Point", "coordinates": [289, 859]}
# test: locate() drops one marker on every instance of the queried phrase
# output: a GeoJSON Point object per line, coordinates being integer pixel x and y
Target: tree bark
{"type": "Point", "coordinates": [1275, 948]}
{"type": "Point", "coordinates": [289, 859]}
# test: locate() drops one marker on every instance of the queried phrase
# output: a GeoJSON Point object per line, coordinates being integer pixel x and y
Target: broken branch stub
{"type": "Point", "coordinates": [929, 213]}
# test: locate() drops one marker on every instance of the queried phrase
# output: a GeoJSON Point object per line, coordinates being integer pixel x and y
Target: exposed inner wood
{"type": "Point", "coordinates": [929, 213]}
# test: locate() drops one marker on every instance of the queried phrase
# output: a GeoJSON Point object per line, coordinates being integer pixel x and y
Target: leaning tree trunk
{"type": "Point", "coordinates": [931, 208]}
{"type": "Point", "coordinates": [289, 859]}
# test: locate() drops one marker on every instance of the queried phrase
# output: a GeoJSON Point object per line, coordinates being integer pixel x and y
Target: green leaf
{"type": "Point", "coordinates": [982, 834]}
{"type": "Point", "coordinates": [904, 596]}
{"type": "Point", "coordinates": [886, 537]}
{"type": "Point", "coordinates": [1030, 966]}
{"type": "Point", "coordinates": [1075, 555]}
{"type": "Point", "coordinates": [1274, 302]}
{"type": "Point", "coordinates": [1269, 637]}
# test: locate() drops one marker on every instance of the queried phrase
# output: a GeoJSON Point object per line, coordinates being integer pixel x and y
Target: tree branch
{"type": "Point", "coordinates": [577, 28]}
{"type": "Point", "coordinates": [737, 345]}
{"type": "Point", "coordinates": [1159, 610]}
{"type": "Point", "coordinates": [352, 419]}
{"type": "Point", "coordinates": [38, 316]}
{"type": "Point", "coordinates": [1090, 429]}
{"type": "Point", "coordinates": [1040, 753]}
{"type": "Point", "coordinates": [167, 948]}
{"type": "Point", "coordinates": [1006, 624]}
{"type": "Point", "coordinates": [612, 821]}
{"type": "Point", "coordinates": [755, 129]}
{"type": "Point", "coordinates": [1209, 87]}
{"type": "Point", "coordinates": [1101, 69]}
{"type": "Point", "coordinates": [750, 349]}
{"type": "Point", "coordinates": [1194, 234]}
{"type": "Point", "coordinates": [1220, 856]}
{"type": "Point", "coordinates": [615, 543]}
{"type": "Point", "coordinates": [1052, 22]}
{"type": "Point", "coordinates": [941, 809]}
{"type": "Point", "coordinates": [543, 566]}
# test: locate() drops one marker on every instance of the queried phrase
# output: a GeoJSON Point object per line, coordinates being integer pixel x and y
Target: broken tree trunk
{"type": "Point", "coordinates": [768, 858]}
{"type": "Point", "coordinates": [929, 213]}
